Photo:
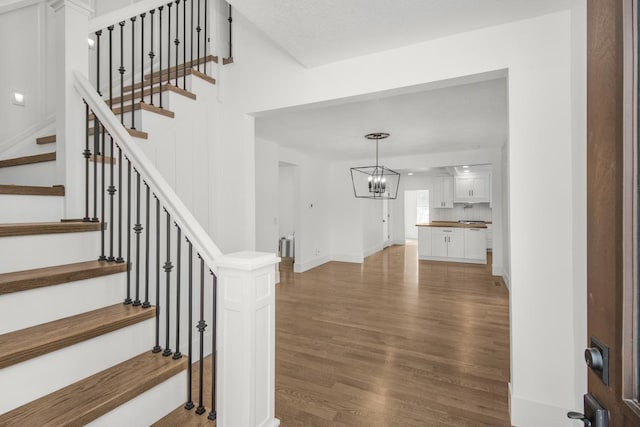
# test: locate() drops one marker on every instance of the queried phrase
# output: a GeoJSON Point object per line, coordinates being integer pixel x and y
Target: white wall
{"type": "Point", "coordinates": [371, 226]}
{"type": "Point", "coordinates": [287, 196]}
{"type": "Point", "coordinates": [28, 59]}
{"type": "Point", "coordinates": [537, 54]}
{"type": "Point", "coordinates": [267, 197]}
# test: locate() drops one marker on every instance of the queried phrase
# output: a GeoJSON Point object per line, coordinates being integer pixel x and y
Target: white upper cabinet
{"type": "Point", "coordinates": [472, 189]}
{"type": "Point", "coordinates": [442, 192]}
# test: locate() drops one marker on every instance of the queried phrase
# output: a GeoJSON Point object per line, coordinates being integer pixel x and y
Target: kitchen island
{"type": "Point", "coordinates": [453, 241]}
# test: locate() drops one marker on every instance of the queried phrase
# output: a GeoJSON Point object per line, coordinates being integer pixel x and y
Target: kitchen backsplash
{"type": "Point", "coordinates": [475, 212]}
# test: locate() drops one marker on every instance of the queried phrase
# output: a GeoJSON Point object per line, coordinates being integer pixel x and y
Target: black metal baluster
{"type": "Point", "coordinates": [198, 29]}
{"type": "Point", "coordinates": [177, 355]}
{"type": "Point", "coordinates": [176, 41]}
{"type": "Point", "coordinates": [120, 259]}
{"type": "Point", "coordinates": [121, 70]}
{"type": "Point", "coordinates": [189, 405]}
{"type": "Point", "coordinates": [146, 303]}
{"type": "Point", "coordinates": [160, 52]}
{"type": "Point", "coordinates": [230, 59]}
{"type": "Point", "coordinates": [133, 71]}
{"type": "Point", "coordinates": [157, 348]}
{"type": "Point", "coordinates": [206, 35]}
{"type": "Point", "coordinates": [110, 28]}
{"type": "Point", "coordinates": [103, 257]}
{"type": "Point", "coordinates": [112, 191]}
{"type": "Point", "coordinates": [167, 269]}
{"type": "Point", "coordinates": [142, 16]}
{"type": "Point", "coordinates": [87, 154]}
{"type": "Point", "coordinates": [184, 45]}
{"type": "Point", "coordinates": [202, 325]}
{"type": "Point", "coordinates": [214, 353]}
{"type": "Point", "coordinates": [169, 42]}
{"type": "Point", "coordinates": [151, 53]}
{"type": "Point", "coordinates": [191, 45]}
{"type": "Point", "coordinates": [128, 300]}
{"type": "Point", "coordinates": [138, 229]}
{"type": "Point", "coordinates": [98, 34]}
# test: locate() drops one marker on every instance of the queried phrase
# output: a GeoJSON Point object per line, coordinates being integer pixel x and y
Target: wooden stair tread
{"type": "Point", "coordinates": [46, 139]}
{"type": "Point", "coordinates": [25, 344]}
{"type": "Point", "coordinates": [40, 277]}
{"type": "Point", "coordinates": [156, 89]}
{"type": "Point", "coordinates": [190, 71]}
{"type": "Point", "coordinates": [27, 160]}
{"type": "Point", "coordinates": [31, 190]}
{"type": "Point", "coordinates": [133, 132]}
{"type": "Point", "coordinates": [31, 228]}
{"type": "Point", "coordinates": [188, 64]}
{"type": "Point", "coordinates": [92, 397]}
{"type": "Point", "coordinates": [140, 106]}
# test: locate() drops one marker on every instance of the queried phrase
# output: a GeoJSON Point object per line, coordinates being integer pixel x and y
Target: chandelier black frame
{"type": "Point", "coordinates": [375, 182]}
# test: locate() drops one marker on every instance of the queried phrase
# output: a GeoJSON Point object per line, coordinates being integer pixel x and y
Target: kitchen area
{"type": "Point", "coordinates": [457, 224]}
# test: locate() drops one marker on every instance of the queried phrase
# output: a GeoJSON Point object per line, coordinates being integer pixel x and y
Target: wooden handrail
{"type": "Point", "coordinates": [160, 187]}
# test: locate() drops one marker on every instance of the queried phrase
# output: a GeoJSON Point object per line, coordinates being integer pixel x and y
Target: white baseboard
{"type": "Point", "coordinates": [400, 242]}
{"type": "Point", "coordinates": [529, 413]}
{"type": "Point", "coordinates": [372, 250]}
{"type": "Point", "coordinates": [301, 267]}
{"type": "Point", "coordinates": [357, 259]}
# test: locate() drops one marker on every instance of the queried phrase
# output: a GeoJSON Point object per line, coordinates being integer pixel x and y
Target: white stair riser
{"type": "Point", "coordinates": [45, 374]}
{"type": "Point", "coordinates": [22, 208]}
{"type": "Point", "coordinates": [43, 174]}
{"type": "Point", "coordinates": [46, 250]}
{"type": "Point", "coordinates": [59, 301]}
{"type": "Point", "coordinates": [150, 406]}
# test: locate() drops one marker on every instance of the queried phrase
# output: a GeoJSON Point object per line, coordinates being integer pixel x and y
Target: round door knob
{"type": "Point", "coordinates": [593, 357]}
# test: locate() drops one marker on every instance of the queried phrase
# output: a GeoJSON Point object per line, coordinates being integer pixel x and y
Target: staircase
{"type": "Point", "coordinates": [72, 352]}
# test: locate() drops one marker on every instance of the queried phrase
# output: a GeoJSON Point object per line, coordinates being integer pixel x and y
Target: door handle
{"type": "Point", "coordinates": [580, 417]}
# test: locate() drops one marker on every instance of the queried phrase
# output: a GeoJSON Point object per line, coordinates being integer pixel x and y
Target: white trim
{"type": "Point", "coordinates": [357, 259]}
{"type": "Point", "coordinates": [31, 132]}
{"type": "Point", "coordinates": [190, 226]}
{"type": "Point", "coordinates": [372, 250]}
{"type": "Point", "coordinates": [529, 413]}
{"type": "Point", "coordinates": [124, 13]}
{"type": "Point", "coordinates": [447, 259]}
{"type": "Point", "coordinates": [301, 267]}
{"type": "Point", "coordinates": [10, 6]}
{"type": "Point", "coordinates": [507, 279]}
{"type": "Point", "coordinates": [80, 5]}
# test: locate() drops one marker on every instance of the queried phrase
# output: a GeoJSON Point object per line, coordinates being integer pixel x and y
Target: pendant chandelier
{"type": "Point", "coordinates": [375, 182]}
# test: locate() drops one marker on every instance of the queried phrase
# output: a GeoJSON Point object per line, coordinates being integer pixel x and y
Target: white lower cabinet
{"type": "Point", "coordinates": [475, 243]}
{"type": "Point", "coordinates": [452, 244]}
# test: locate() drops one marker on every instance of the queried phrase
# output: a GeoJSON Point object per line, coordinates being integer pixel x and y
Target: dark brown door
{"type": "Point", "coordinates": [612, 54]}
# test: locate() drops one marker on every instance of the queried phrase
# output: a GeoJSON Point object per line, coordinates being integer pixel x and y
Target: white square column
{"type": "Point", "coordinates": [246, 339]}
{"type": "Point", "coordinates": [71, 23]}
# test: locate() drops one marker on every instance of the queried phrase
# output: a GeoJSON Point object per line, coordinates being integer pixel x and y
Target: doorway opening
{"type": "Point", "coordinates": [416, 211]}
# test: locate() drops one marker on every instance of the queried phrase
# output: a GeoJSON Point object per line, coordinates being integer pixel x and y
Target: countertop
{"type": "Point", "coordinates": [450, 224]}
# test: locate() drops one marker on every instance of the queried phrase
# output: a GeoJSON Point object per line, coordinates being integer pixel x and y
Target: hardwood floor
{"type": "Point", "coordinates": [392, 342]}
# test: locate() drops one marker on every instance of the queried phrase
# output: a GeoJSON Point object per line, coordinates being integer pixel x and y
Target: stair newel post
{"type": "Point", "coordinates": [146, 303]}
{"type": "Point", "coordinates": [160, 9]}
{"type": "Point", "coordinates": [189, 405]}
{"type": "Point", "coordinates": [157, 348]}
{"type": "Point", "coordinates": [133, 71]}
{"type": "Point", "coordinates": [198, 29]}
{"type": "Point", "coordinates": [137, 229]}
{"type": "Point", "coordinates": [121, 70]}
{"type": "Point", "coordinates": [246, 313]}
{"type": "Point", "coordinates": [151, 54]}
{"type": "Point", "coordinates": [177, 355]}
{"type": "Point", "coordinates": [184, 45]}
{"type": "Point", "coordinates": [128, 300]}
{"type": "Point", "coordinates": [169, 5]}
{"type": "Point", "coordinates": [176, 41]}
{"type": "Point", "coordinates": [202, 325]}
{"type": "Point", "coordinates": [206, 34]}
{"type": "Point", "coordinates": [87, 154]}
{"type": "Point", "coordinates": [167, 269]}
{"type": "Point", "coordinates": [214, 353]}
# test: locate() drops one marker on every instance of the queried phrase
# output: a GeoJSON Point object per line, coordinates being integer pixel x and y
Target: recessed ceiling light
{"type": "Point", "coordinates": [465, 167]}
{"type": "Point", "coordinates": [466, 171]}
{"type": "Point", "coordinates": [410, 173]}
{"type": "Point", "coordinates": [91, 42]}
{"type": "Point", "coordinates": [17, 98]}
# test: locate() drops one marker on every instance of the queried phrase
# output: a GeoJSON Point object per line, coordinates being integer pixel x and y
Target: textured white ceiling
{"type": "Point", "coordinates": [317, 32]}
{"type": "Point", "coordinates": [453, 118]}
